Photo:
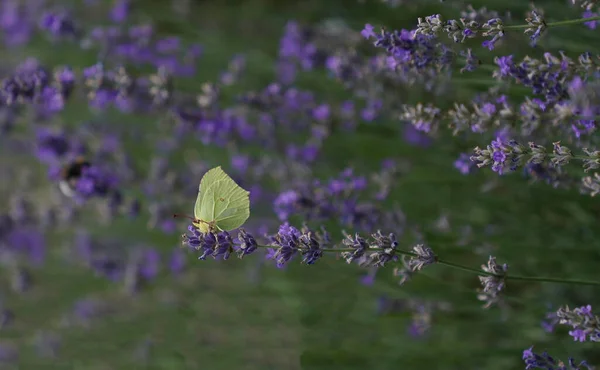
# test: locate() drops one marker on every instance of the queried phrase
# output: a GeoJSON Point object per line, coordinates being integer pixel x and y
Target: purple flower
{"type": "Point", "coordinates": [247, 243]}
{"type": "Point", "coordinates": [285, 203]}
{"type": "Point", "coordinates": [550, 322]}
{"type": "Point", "coordinates": [492, 285]}
{"type": "Point", "coordinates": [25, 84]}
{"type": "Point", "coordinates": [94, 182]}
{"type": "Point", "coordinates": [414, 136]}
{"type": "Point", "coordinates": [150, 264]}
{"type": "Point", "coordinates": [583, 322]}
{"type": "Point", "coordinates": [28, 241]}
{"type": "Point", "coordinates": [416, 51]}
{"type": "Point", "coordinates": [51, 147]}
{"type": "Point", "coordinates": [578, 335]}
{"type": "Point", "coordinates": [120, 11]}
{"type": "Point", "coordinates": [285, 243]}
{"type": "Point", "coordinates": [369, 278]}
{"type": "Point", "coordinates": [545, 361]}
{"type": "Point", "coordinates": [57, 24]}
{"type": "Point", "coordinates": [322, 112]}
{"type": "Point", "coordinates": [240, 163]}
{"type": "Point", "coordinates": [358, 244]}
{"type": "Point", "coordinates": [219, 246]}
{"type": "Point", "coordinates": [177, 261]}
{"type": "Point", "coordinates": [368, 32]}
{"type": "Point", "coordinates": [464, 164]}
{"type": "Point", "coordinates": [199, 241]}
{"type": "Point", "coordinates": [224, 246]}
{"type": "Point", "coordinates": [591, 24]}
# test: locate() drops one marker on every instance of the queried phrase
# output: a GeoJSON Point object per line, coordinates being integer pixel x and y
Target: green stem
{"type": "Point", "coordinates": [556, 24]}
{"type": "Point", "coordinates": [553, 280]}
{"type": "Point", "coordinates": [519, 278]}
{"type": "Point", "coordinates": [463, 268]}
{"type": "Point", "coordinates": [470, 270]}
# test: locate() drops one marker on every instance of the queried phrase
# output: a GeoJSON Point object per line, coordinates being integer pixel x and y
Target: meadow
{"type": "Point", "coordinates": [283, 96]}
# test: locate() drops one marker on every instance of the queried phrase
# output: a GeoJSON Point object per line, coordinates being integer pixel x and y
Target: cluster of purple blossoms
{"type": "Point", "coordinates": [33, 84]}
{"type": "Point", "coordinates": [583, 322]}
{"type": "Point", "coordinates": [288, 242]}
{"type": "Point", "coordinates": [563, 102]}
{"type": "Point", "coordinates": [511, 155]}
{"type": "Point", "coordinates": [545, 361]}
{"type": "Point", "coordinates": [493, 282]}
{"type": "Point", "coordinates": [283, 246]}
{"type": "Point", "coordinates": [340, 198]}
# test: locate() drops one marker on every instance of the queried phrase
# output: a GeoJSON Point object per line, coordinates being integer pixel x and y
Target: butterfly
{"type": "Point", "coordinates": [221, 205]}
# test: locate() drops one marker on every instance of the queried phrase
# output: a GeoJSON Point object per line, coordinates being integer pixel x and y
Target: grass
{"type": "Point", "coordinates": [221, 316]}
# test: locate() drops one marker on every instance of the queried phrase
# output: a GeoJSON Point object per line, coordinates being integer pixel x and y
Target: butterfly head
{"type": "Point", "coordinates": [201, 225]}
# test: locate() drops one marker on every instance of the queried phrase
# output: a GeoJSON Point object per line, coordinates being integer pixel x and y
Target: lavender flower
{"type": "Point", "coordinates": [405, 272]}
{"type": "Point", "coordinates": [224, 246]}
{"type": "Point", "coordinates": [286, 244]}
{"type": "Point", "coordinates": [358, 244]}
{"type": "Point", "coordinates": [550, 321]}
{"type": "Point", "coordinates": [583, 322]}
{"type": "Point", "coordinates": [545, 361]}
{"type": "Point", "coordinates": [248, 243]}
{"type": "Point", "coordinates": [423, 256]}
{"type": "Point", "coordinates": [385, 250]}
{"type": "Point", "coordinates": [311, 245]}
{"type": "Point", "coordinates": [492, 284]}
{"type": "Point", "coordinates": [177, 261]}
{"type": "Point", "coordinates": [204, 243]}
{"type": "Point", "coordinates": [58, 25]}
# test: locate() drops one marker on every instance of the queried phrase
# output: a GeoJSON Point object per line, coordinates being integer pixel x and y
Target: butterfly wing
{"type": "Point", "coordinates": [204, 207]}
{"type": "Point", "coordinates": [231, 204]}
{"type": "Point", "coordinates": [221, 200]}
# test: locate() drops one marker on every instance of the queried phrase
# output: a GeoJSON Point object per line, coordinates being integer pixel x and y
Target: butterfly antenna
{"type": "Point", "coordinates": [176, 215]}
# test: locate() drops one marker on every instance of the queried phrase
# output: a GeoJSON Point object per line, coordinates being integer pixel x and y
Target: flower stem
{"type": "Point", "coordinates": [463, 268]}
{"type": "Point", "coordinates": [520, 278]}
{"type": "Point", "coordinates": [470, 270]}
{"type": "Point", "coordinates": [553, 280]}
{"type": "Point", "coordinates": [556, 24]}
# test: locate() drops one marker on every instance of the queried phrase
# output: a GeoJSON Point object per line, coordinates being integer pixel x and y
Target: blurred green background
{"type": "Point", "coordinates": [240, 314]}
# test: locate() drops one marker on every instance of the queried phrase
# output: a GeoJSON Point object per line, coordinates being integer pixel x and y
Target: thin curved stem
{"type": "Point", "coordinates": [520, 278]}
{"type": "Point", "coordinates": [556, 24]}
{"type": "Point", "coordinates": [464, 268]}
{"type": "Point", "coordinates": [553, 280]}
{"type": "Point", "coordinates": [470, 270]}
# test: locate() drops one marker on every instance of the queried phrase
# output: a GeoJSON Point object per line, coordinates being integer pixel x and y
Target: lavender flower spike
{"type": "Point", "coordinates": [492, 284]}
{"type": "Point", "coordinates": [357, 243]}
{"type": "Point", "coordinates": [545, 361]}
{"type": "Point", "coordinates": [248, 244]}
{"type": "Point", "coordinates": [424, 256]}
{"type": "Point", "coordinates": [583, 322]}
{"type": "Point", "coordinates": [386, 246]}
{"type": "Point", "coordinates": [405, 272]}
